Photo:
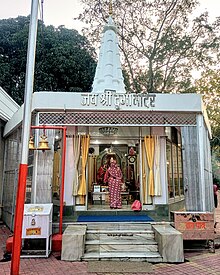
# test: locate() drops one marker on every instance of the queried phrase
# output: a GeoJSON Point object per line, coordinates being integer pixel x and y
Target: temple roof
{"type": "Point", "coordinates": [108, 74]}
{"type": "Point", "coordinates": [7, 106]}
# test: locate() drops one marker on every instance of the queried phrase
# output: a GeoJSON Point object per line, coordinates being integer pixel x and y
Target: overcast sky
{"type": "Point", "coordinates": [62, 12]}
{"type": "Point", "coordinates": [55, 12]}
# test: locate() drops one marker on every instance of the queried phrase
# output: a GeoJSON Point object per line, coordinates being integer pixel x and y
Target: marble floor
{"type": "Point", "coordinates": [105, 207]}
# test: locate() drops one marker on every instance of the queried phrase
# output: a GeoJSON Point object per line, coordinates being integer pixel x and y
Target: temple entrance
{"type": "Point", "coordinates": [101, 194]}
{"type": "Point", "coordinates": [104, 186]}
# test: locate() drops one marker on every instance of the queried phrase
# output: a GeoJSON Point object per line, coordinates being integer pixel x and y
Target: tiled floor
{"type": "Point", "coordinates": [197, 263]}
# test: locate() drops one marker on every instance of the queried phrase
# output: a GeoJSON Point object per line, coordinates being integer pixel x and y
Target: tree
{"type": "Point", "coordinates": [65, 61]}
{"type": "Point", "coordinates": [209, 87]}
{"type": "Point", "coordinates": [160, 40]}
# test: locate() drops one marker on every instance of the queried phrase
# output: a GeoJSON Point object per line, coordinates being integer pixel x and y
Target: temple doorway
{"type": "Point", "coordinates": [126, 158]}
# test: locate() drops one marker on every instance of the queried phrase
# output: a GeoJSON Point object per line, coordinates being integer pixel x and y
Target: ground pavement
{"type": "Point", "coordinates": [200, 262]}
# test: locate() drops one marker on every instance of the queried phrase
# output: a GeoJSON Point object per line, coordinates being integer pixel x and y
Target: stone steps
{"type": "Point", "coordinates": [153, 257]}
{"type": "Point", "coordinates": [106, 226]}
{"type": "Point", "coordinates": [121, 241]}
{"type": "Point", "coordinates": [115, 225]}
{"type": "Point", "coordinates": [119, 231]}
{"type": "Point", "coordinates": [118, 236]}
{"type": "Point", "coordinates": [121, 247]}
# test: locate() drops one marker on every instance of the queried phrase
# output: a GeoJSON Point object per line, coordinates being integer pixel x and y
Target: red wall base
{"type": "Point", "coordinates": [57, 242]}
{"type": "Point", "coordinates": [9, 244]}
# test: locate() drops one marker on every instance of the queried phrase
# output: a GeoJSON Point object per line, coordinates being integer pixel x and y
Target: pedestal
{"type": "Point", "coordinates": [73, 243]}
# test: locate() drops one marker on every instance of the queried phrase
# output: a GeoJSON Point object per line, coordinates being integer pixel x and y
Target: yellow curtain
{"type": "Point", "coordinates": [149, 147]}
{"type": "Point", "coordinates": [84, 147]}
{"type": "Point", "coordinates": [76, 155]}
{"type": "Point", "coordinates": [144, 176]}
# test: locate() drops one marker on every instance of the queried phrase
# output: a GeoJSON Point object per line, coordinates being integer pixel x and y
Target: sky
{"type": "Point", "coordinates": [62, 12]}
{"type": "Point", "coordinates": [55, 12]}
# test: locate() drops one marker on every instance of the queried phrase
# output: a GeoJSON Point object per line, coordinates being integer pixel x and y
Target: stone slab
{"type": "Point", "coordinates": [73, 243]}
{"type": "Point", "coordinates": [170, 243]}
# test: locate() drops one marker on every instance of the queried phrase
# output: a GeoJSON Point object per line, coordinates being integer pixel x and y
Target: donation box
{"type": "Point", "coordinates": [37, 230]}
{"type": "Point", "coordinates": [195, 225]}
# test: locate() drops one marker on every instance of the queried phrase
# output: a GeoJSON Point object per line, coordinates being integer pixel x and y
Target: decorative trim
{"type": "Point", "coordinates": [135, 118]}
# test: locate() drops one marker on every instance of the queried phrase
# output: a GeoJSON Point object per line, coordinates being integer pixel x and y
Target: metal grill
{"type": "Point", "coordinates": [118, 118]}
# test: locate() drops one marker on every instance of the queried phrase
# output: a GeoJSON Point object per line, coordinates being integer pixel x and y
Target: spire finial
{"type": "Point", "coordinates": [110, 8]}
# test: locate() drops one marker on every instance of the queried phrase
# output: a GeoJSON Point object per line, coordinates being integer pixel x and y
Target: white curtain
{"type": "Point", "coordinates": [157, 181]}
{"type": "Point", "coordinates": [76, 155]}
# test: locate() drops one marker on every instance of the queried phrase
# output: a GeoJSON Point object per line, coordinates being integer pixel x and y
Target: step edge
{"type": "Point", "coordinates": [126, 242]}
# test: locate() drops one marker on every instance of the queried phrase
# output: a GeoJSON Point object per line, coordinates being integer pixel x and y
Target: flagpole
{"type": "Point", "coordinates": [26, 123]}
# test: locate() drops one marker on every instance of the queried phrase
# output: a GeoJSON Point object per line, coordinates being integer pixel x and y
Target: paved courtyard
{"type": "Point", "coordinates": [201, 262]}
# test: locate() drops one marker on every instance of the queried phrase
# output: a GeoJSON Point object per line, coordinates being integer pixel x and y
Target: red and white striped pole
{"type": "Point", "coordinates": [26, 123]}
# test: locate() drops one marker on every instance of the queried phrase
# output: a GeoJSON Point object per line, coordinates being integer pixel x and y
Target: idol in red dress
{"type": "Point", "coordinates": [113, 176]}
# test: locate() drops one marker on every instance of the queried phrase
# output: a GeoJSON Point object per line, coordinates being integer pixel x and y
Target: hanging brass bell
{"type": "Point", "coordinates": [43, 143]}
{"type": "Point", "coordinates": [31, 143]}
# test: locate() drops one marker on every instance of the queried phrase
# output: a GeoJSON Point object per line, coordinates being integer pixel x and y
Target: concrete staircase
{"type": "Point", "coordinates": [121, 241]}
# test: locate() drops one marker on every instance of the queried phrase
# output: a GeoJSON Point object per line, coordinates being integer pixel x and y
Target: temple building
{"type": "Point", "coordinates": [160, 142]}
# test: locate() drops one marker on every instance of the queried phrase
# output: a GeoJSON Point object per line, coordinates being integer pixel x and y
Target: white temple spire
{"type": "Point", "coordinates": [108, 74]}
